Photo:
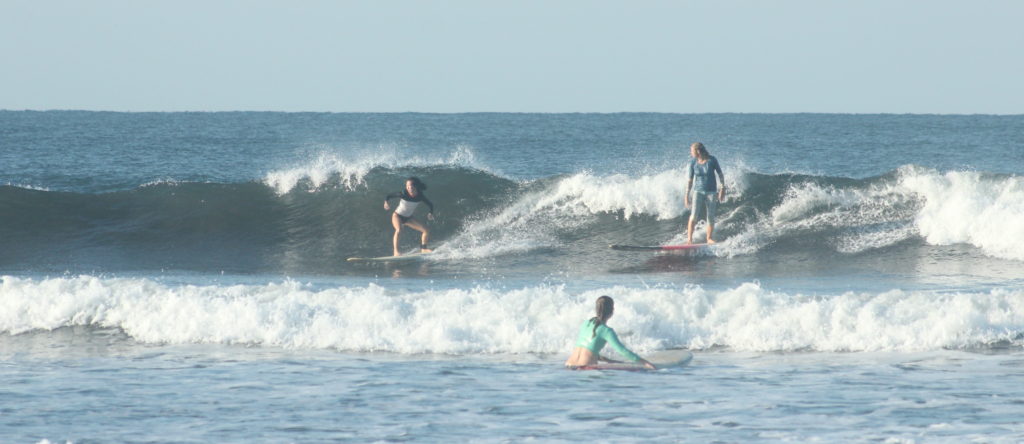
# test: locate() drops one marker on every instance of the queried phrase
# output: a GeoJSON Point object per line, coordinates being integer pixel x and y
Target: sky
{"type": "Point", "coordinates": [755, 56]}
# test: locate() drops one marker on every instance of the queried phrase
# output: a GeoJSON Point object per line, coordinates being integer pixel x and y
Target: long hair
{"type": "Point", "coordinates": [702, 153]}
{"type": "Point", "coordinates": [605, 307]}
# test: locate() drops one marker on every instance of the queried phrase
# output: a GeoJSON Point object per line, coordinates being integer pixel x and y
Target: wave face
{"type": "Point", "coordinates": [240, 227]}
{"type": "Point", "coordinates": [311, 219]}
{"type": "Point", "coordinates": [526, 194]}
{"type": "Point", "coordinates": [538, 319]}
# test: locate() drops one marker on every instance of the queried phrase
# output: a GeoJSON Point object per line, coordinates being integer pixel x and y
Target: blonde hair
{"type": "Point", "coordinates": [702, 153]}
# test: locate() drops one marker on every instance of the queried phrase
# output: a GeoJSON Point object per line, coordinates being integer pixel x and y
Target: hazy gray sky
{"type": "Point", "coordinates": [868, 56]}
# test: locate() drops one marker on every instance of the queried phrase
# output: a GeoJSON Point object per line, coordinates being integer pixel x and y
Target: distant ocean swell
{"type": "Point", "coordinates": [539, 319]}
{"type": "Point", "coordinates": [261, 226]}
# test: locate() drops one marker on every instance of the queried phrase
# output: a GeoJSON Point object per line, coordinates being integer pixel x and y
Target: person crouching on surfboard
{"type": "Point", "coordinates": [702, 173]}
{"type": "Point", "coordinates": [594, 334]}
{"type": "Point", "coordinates": [410, 198]}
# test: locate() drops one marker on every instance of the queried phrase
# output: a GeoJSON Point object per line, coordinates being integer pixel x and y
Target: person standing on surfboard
{"type": "Point", "coordinates": [701, 178]}
{"type": "Point", "coordinates": [594, 334]}
{"type": "Point", "coordinates": [410, 198]}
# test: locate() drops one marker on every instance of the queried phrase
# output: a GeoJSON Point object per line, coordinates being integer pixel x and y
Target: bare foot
{"type": "Point", "coordinates": [397, 253]}
{"type": "Point", "coordinates": [426, 250]}
{"type": "Point", "coordinates": [710, 241]}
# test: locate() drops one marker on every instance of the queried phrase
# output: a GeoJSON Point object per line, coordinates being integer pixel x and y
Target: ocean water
{"type": "Point", "coordinates": [181, 277]}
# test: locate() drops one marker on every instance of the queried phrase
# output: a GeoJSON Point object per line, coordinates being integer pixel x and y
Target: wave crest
{"type": "Point", "coordinates": [969, 207]}
{"type": "Point", "coordinates": [541, 319]}
{"type": "Point", "coordinates": [349, 173]}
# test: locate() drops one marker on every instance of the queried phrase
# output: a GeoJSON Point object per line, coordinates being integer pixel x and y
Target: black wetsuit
{"type": "Point", "coordinates": [407, 205]}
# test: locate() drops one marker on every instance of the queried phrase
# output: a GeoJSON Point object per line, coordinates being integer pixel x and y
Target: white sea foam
{"type": "Point", "coordinates": [162, 182]}
{"type": "Point", "coordinates": [659, 195]}
{"type": "Point", "coordinates": [27, 187]}
{"type": "Point", "coordinates": [350, 171]}
{"type": "Point", "coordinates": [532, 220]}
{"type": "Point", "coordinates": [873, 237]}
{"type": "Point", "coordinates": [954, 207]}
{"type": "Point", "coordinates": [810, 205]}
{"type": "Point", "coordinates": [943, 208]}
{"type": "Point", "coordinates": [967, 207]}
{"type": "Point", "coordinates": [868, 218]}
{"type": "Point", "coordinates": [540, 319]}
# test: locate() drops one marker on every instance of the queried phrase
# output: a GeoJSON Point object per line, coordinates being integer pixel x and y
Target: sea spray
{"type": "Point", "coordinates": [251, 227]}
{"type": "Point", "coordinates": [969, 207]}
{"type": "Point", "coordinates": [348, 172]}
{"type": "Point", "coordinates": [531, 319]}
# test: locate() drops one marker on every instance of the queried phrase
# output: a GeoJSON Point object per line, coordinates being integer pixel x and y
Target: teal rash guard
{"type": "Point", "coordinates": [605, 335]}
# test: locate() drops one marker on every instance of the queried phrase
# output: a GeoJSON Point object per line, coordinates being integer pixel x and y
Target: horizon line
{"type": "Point", "coordinates": [511, 112]}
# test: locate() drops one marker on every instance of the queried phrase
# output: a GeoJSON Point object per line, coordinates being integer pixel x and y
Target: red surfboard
{"type": "Point", "coordinates": [658, 247]}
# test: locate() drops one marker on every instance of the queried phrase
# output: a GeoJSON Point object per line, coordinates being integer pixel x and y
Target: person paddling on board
{"type": "Point", "coordinates": [701, 173]}
{"type": "Point", "coordinates": [594, 334]}
{"type": "Point", "coordinates": [410, 198]}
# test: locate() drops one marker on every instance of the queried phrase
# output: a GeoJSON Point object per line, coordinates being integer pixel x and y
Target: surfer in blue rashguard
{"type": "Point", "coordinates": [594, 334]}
{"type": "Point", "coordinates": [409, 199]}
{"type": "Point", "coordinates": [701, 178]}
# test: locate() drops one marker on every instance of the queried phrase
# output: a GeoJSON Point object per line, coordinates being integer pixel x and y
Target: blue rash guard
{"type": "Point", "coordinates": [703, 175]}
{"type": "Point", "coordinates": [595, 342]}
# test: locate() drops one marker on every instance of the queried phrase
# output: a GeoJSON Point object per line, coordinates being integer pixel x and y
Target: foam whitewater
{"type": "Point", "coordinates": [298, 218]}
{"type": "Point", "coordinates": [538, 319]}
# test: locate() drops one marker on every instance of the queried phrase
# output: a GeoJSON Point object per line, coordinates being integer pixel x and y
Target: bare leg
{"type": "Point", "coordinates": [415, 225]}
{"type": "Point", "coordinates": [398, 229]}
{"type": "Point", "coordinates": [711, 229]}
{"type": "Point", "coordinates": [689, 231]}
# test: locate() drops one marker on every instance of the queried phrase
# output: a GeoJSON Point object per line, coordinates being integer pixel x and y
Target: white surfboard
{"type": "Point", "coordinates": [661, 359]}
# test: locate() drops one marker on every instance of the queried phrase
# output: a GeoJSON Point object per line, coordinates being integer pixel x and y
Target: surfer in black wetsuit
{"type": "Point", "coordinates": [410, 198]}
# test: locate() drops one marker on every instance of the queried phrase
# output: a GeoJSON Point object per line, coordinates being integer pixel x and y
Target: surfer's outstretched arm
{"type": "Point", "coordinates": [593, 336]}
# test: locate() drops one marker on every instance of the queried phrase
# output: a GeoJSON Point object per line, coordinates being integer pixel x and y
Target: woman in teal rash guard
{"type": "Point", "coordinates": [594, 334]}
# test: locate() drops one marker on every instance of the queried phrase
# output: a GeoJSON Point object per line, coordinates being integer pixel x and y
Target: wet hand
{"type": "Point", "coordinates": [386, 206]}
{"type": "Point", "coordinates": [430, 216]}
